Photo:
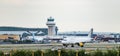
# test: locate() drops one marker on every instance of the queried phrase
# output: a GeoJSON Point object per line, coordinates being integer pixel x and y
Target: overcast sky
{"type": "Point", "coordinates": [70, 15]}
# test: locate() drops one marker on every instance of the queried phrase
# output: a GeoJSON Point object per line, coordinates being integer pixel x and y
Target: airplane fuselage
{"type": "Point", "coordinates": [75, 39]}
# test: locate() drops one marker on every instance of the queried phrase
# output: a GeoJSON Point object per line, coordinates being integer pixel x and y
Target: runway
{"type": "Point", "coordinates": [87, 46]}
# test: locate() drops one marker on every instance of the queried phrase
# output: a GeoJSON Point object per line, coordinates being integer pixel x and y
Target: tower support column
{"type": "Point", "coordinates": [51, 26]}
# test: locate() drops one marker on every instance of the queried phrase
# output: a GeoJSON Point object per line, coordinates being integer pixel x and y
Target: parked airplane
{"type": "Point", "coordinates": [77, 40]}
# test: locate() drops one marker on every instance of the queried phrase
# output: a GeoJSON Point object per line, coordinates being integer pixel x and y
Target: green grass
{"type": "Point", "coordinates": [63, 52]}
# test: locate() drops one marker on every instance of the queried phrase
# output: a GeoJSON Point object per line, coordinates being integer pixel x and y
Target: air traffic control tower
{"type": "Point", "coordinates": [51, 26]}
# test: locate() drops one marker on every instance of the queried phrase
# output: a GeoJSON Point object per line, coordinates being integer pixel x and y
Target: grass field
{"type": "Point", "coordinates": [88, 46]}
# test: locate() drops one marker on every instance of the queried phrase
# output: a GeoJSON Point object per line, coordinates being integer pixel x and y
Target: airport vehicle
{"type": "Point", "coordinates": [77, 40]}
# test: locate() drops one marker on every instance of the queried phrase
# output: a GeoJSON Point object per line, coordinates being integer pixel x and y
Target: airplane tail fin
{"type": "Point", "coordinates": [90, 33]}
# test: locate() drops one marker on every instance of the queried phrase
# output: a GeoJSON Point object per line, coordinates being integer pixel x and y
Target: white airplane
{"type": "Point", "coordinates": [77, 40]}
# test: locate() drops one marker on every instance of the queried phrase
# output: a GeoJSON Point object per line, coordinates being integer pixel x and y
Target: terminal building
{"type": "Point", "coordinates": [23, 32]}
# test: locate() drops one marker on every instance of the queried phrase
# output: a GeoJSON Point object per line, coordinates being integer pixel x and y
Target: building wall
{"type": "Point", "coordinates": [21, 30]}
{"type": "Point", "coordinates": [14, 37]}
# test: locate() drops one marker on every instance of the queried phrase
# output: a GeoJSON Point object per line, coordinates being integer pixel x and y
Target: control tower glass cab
{"type": "Point", "coordinates": [51, 26]}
